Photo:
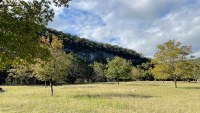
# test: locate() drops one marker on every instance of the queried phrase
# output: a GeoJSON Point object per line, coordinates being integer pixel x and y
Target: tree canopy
{"type": "Point", "coordinates": [55, 67]}
{"type": "Point", "coordinates": [118, 68]}
{"type": "Point", "coordinates": [77, 68]}
{"type": "Point", "coordinates": [98, 71]}
{"type": "Point", "coordinates": [170, 59]}
{"type": "Point", "coordinates": [20, 21]}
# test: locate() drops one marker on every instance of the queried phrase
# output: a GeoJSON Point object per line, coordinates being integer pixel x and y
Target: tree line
{"type": "Point", "coordinates": [63, 67]}
{"type": "Point", "coordinates": [28, 58]}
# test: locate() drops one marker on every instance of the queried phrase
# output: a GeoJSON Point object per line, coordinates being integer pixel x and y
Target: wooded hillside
{"type": "Point", "coordinates": [94, 51]}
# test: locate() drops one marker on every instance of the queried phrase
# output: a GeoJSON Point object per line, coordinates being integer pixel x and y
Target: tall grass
{"type": "Point", "coordinates": [129, 97]}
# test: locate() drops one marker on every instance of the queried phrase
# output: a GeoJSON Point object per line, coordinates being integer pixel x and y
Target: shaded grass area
{"type": "Point", "coordinates": [190, 87]}
{"type": "Point", "coordinates": [1, 90]}
{"type": "Point", "coordinates": [128, 97]}
{"type": "Point", "coordinates": [112, 95]}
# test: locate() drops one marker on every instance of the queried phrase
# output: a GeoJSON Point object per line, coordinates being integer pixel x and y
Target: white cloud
{"type": "Point", "coordinates": [135, 24]}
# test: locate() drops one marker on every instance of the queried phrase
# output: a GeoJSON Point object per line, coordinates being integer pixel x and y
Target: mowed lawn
{"type": "Point", "coordinates": [128, 97]}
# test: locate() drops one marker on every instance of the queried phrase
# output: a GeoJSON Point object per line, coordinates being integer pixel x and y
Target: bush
{"type": "Point", "coordinates": [146, 75]}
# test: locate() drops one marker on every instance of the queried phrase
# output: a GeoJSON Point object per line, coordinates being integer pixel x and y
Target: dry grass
{"type": "Point", "coordinates": [130, 97]}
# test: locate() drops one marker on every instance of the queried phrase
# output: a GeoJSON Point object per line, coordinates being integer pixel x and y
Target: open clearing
{"type": "Point", "coordinates": [129, 97]}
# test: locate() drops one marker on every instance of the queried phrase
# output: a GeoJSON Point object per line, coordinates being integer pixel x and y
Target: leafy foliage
{"type": "Point", "coordinates": [159, 72]}
{"type": "Point", "coordinates": [192, 70]}
{"type": "Point", "coordinates": [19, 23]}
{"type": "Point", "coordinates": [171, 59]}
{"type": "Point", "coordinates": [196, 60]}
{"type": "Point", "coordinates": [56, 67]}
{"type": "Point", "coordinates": [77, 69]}
{"type": "Point", "coordinates": [136, 73]}
{"type": "Point", "coordinates": [118, 68]}
{"type": "Point", "coordinates": [22, 71]}
{"type": "Point", "coordinates": [141, 72]}
{"type": "Point", "coordinates": [98, 71]}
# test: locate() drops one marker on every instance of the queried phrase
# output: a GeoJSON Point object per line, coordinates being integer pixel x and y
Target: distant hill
{"type": "Point", "coordinates": [197, 60]}
{"type": "Point", "coordinates": [94, 51]}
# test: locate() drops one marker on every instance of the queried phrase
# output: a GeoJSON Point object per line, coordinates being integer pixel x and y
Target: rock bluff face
{"type": "Point", "coordinates": [93, 51]}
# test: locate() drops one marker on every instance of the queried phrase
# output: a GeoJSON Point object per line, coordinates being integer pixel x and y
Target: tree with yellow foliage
{"type": "Point", "coordinates": [159, 72]}
{"type": "Point", "coordinates": [56, 66]}
{"type": "Point", "coordinates": [171, 59]}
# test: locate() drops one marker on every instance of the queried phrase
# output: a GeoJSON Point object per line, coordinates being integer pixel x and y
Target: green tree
{"type": "Point", "coordinates": [88, 75]}
{"type": "Point", "coordinates": [22, 71]}
{"type": "Point", "coordinates": [118, 68]}
{"type": "Point", "coordinates": [191, 70]}
{"type": "Point", "coordinates": [147, 75]}
{"type": "Point", "coordinates": [196, 72]}
{"type": "Point", "coordinates": [170, 58]}
{"type": "Point", "coordinates": [136, 73]}
{"type": "Point", "coordinates": [196, 68]}
{"type": "Point", "coordinates": [55, 67]}
{"type": "Point", "coordinates": [98, 71]}
{"type": "Point", "coordinates": [52, 70]}
{"type": "Point", "coordinates": [145, 66]}
{"type": "Point", "coordinates": [77, 69]}
{"type": "Point", "coordinates": [145, 71]}
{"type": "Point", "coordinates": [20, 21]}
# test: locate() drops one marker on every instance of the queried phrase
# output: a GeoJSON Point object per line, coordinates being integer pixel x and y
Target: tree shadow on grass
{"type": "Point", "coordinates": [82, 87]}
{"type": "Point", "coordinates": [189, 87]}
{"type": "Point", "coordinates": [1, 91]}
{"type": "Point", "coordinates": [112, 95]}
{"type": "Point", "coordinates": [143, 84]}
{"type": "Point", "coordinates": [109, 83]}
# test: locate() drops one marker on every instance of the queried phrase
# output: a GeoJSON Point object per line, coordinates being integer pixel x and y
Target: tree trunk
{"type": "Point", "coordinates": [117, 81]}
{"type": "Point", "coordinates": [175, 82]}
{"type": "Point", "coordinates": [11, 80]}
{"type": "Point", "coordinates": [28, 81]}
{"type": "Point", "coordinates": [51, 85]}
{"type": "Point", "coordinates": [21, 81]}
{"type": "Point", "coordinates": [45, 83]}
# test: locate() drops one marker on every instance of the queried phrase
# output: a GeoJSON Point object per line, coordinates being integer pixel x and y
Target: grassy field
{"type": "Point", "coordinates": [130, 97]}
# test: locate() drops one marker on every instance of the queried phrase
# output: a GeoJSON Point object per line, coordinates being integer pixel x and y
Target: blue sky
{"type": "Point", "coordinates": [135, 24]}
